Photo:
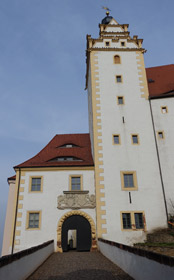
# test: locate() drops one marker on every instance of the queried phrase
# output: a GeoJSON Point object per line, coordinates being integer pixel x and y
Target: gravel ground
{"type": "Point", "coordinates": [78, 266]}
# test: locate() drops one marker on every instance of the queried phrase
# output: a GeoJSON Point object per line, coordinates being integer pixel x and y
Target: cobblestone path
{"type": "Point", "coordinates": [78, 266]}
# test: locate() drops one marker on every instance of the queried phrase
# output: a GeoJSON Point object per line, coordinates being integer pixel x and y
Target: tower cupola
{"type": "Point", "coordinates": [107, 19]}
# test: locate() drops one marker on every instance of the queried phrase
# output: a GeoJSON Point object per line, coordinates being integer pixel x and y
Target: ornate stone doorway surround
{"type": "Point", "coordinates": [67, 215]}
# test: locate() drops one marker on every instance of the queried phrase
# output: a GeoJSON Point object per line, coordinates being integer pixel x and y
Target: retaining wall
{"type": "Point", "coordinates": [138, 263]}
{"type": "Point", "coordinates": [21, 265]}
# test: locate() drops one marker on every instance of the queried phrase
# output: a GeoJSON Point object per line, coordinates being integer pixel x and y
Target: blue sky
{"type": "Point", "coordinates": [42, 68]}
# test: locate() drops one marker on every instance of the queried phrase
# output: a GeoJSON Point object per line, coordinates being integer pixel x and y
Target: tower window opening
{"type": "Point", "coordinates": [164, 109]}
{"type": "Point", "coordinates": [120, 100]}
{"type": "Point", "coordinates": [135, 139]}
{"type": "Point", "coordinates": [160, 134]}
{"type": "Point", "coordinates": [117, 59]}
{"type": "Point", "coordinates": [123, 44]}
{"type": "Point", "coordinates": [118, 79]}
{"type": "Point", "coordinates": [116, 139]}
{"type": "Point", "coordinates": [107, 44]}
{"type": "Point", "coordinates": [128, 181]}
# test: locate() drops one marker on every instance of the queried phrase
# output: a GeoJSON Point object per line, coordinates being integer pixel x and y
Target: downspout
{"type": "Point", "coordinates": [12, 249]}
{"type": "Point", "coordinates": [159, 163]}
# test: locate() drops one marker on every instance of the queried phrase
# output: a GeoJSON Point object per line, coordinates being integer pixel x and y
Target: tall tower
{"type": "Point", "coordinates": [129, 195]}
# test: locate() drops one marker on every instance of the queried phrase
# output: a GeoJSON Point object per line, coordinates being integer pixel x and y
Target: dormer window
{"type": "Point", "coordinates": [150, 81]}
{"type": "Point", "coordinates": [68, 145]}
{"type": "Point", "coordinates": [65, 158]}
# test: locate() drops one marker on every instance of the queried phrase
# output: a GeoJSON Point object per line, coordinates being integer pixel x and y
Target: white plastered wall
{"type": "Point", "coordinates": [54, 183]}
{"type": "Point", "coordinates": [127, 157]}
{"type": "Point", "coordinates": [164, 122]}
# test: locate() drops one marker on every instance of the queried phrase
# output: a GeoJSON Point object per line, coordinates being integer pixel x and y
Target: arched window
{"type": "Point", "coordinates": [117, 59]}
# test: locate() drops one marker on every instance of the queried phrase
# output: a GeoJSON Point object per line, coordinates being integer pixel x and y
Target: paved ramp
{"type": "Point", "coordinates": [78, 266]}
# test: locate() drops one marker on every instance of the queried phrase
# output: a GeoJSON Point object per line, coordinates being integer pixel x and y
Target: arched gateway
{"type": "Point", "coordinates": [85, 227]}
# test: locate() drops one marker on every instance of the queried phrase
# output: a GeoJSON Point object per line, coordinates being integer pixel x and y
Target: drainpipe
{"type": "Point", "coordinates": [159, 163]}
{"type": "Point", "coordinates": [12, 249]}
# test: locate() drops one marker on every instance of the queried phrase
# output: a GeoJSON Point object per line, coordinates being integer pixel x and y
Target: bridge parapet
{"type": "Point", "coordinates": [20, 265]}
{"type": "Point", "coordinates": [138, 263]}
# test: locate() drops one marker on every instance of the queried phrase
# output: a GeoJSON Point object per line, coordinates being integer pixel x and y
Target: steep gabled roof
{"type": "Point", "coordinates": [81, 151]}
{"type": "Point", "coordinates": [160, 81]}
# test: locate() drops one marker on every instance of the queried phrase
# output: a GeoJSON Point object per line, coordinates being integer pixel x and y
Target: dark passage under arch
{"type": "Point", "coordinates": [83, 227]}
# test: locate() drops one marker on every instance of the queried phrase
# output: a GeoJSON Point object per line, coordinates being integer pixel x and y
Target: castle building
{"type": "Point", "coordinates": [114, 182]}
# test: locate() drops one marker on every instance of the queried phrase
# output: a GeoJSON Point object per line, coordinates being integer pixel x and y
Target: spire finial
{"type": "Point", "coordinates": [107, 10]}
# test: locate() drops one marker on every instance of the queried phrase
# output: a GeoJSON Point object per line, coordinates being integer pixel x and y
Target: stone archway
{"type": "Point", "coordinates": [69, 214]}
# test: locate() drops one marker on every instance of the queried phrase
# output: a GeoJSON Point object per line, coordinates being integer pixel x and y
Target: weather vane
{"type": "Point", "coordinates": [107, 10]}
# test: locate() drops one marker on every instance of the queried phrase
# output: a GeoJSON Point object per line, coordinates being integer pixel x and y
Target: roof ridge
{"type": "Point", "coordinates": [160, 66]}
{"type": "Point", "coordinates": [86, 133]}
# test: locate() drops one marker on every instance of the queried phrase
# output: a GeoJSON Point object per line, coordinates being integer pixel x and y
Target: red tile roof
{"type": "Point", "coordinates": [160, 80]}
{"type": "Point", "coordinates": [53, 149]}
{"type": "Point", "coordinates": [12, 178]}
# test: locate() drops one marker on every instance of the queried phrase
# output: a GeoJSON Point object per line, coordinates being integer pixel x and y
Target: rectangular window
{"type": "Point", "coordinates": [129, 180]}
{"type": "Point", "coordinates": [135, 139]}
{"type": "Point", "coordinates": [126, 219]}
{"type": "Point", "coordinates": [123, 44]}
{"type": "Point", "coordinates": [133, 220]}
{"type": "Point", "coordinates": [164, 109]}
{"type": "Point", "coordinates": [76, 183]}
{"type": "Point", "coordinates": [107, 44]}
{"type": "Point", "coordinates": [160, 134]}
{"type": "Point", "coordinates": [36, 184]}
{"type": "Point", "coordinates": [139, 224]}
{"type": "Point", "coordinates": [120, 100]}
{"type": "Point", "coordinates": [33, 220]}
{"type": "Point", "coordinates": [119, 79]}
{"type": "Point", "coordinates": [116, 139]}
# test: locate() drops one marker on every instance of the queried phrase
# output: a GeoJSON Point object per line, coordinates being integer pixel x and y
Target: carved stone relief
{"type": "Point", "coordinates": [76, 200]}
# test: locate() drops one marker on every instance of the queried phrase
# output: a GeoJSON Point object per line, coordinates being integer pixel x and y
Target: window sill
{"type": "Point", "coordinates": [79, 192]}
